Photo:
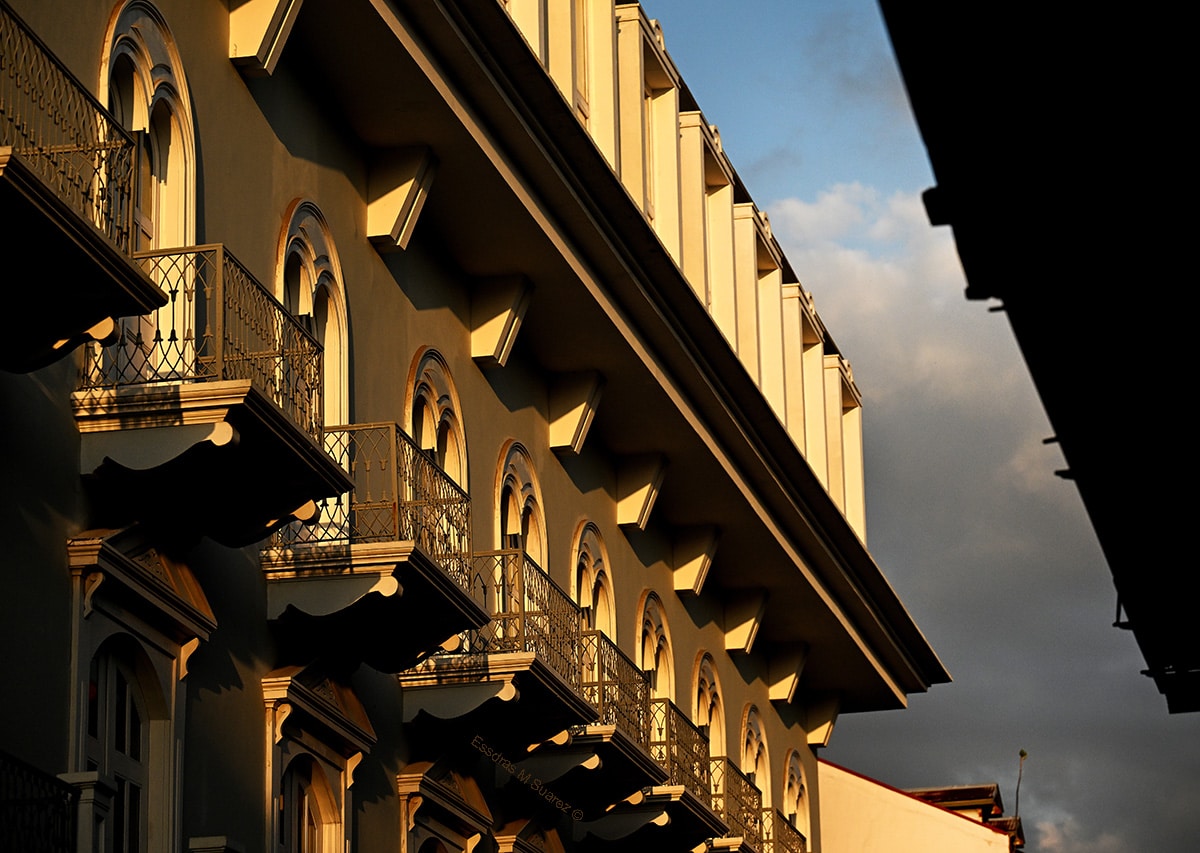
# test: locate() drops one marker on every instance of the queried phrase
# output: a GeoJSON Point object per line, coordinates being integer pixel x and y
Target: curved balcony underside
{"type": "Point", "coordinates": [79, 281]}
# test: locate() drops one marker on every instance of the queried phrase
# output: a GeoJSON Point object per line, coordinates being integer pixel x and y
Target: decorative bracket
{"type": "Point", "coordinates": [743, 616]}
{"type": "Point", "coordinates": [397, 188]}
{"type": "Point", "coordinates": [639, 479]}
{"type": "Point", "coordinates": [573, 402]}
{"type": "Point", "coordinates": [258, 30]}
{"type": "Point", "coordinates": [694, 549]}
{"type": "Point", "coordinates": [498, 307]}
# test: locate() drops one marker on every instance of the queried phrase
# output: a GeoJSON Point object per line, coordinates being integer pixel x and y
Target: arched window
{"type": "Point", "coordinates": [755, 761]}
{"type": "Point", "coordinates": [655, 646]}
{"type": "Point", "coordinates": [592, 581]}
{"type": "Point", "coordinates": [710, 708]}
{"type": "Point", "coordinates": [118, 741]}
{"type": "Point", "coordinates": [309, 820]}
{"type": "Point", "coordinates": [795, 793]}
{"type": "Point", "coordinates": [434, 414]}
{"type": "Point", "coordinates": [519, 515]}
{"type": "Point", "coordinates": [143, 80]}
{"type": "Point", "coordinates": [310, 286]}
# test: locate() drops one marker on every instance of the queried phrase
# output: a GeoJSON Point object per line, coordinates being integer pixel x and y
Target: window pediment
{"type": "Point", "coordinates": [125, 566]}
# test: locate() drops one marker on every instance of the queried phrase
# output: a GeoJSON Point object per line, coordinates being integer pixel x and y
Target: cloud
{"type": "Point", "coordinates": [1067, 836]}
{"type": "Point", "coordinates": [992, 554]}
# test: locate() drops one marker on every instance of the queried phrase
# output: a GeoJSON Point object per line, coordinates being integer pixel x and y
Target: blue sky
{"type": "Point", "coordinates": [990, 551]}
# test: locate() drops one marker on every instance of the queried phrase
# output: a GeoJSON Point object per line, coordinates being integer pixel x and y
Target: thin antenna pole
{"type": "Point", "coordinates": [1020, 771]}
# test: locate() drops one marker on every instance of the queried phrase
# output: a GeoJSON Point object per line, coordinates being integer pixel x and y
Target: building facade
{"type": "Point", "coordinates": [416, 440]}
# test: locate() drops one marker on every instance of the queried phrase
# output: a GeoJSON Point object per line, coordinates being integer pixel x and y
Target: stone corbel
{"type": "Point", "coordinates": [639, 479]}
{"type": "Point", "coordinates": [258, 30]}
{"type": "Point", "coordinates": [90, 586]}
{"type": "Point", "coordinates": [694, 549]}
{"type": "Point", "coordinates": [498, 307]}
{"type": "Point", "coordinates": [784, 668]}
{"type": "Point", "coordinates": [397, 188]}
{"type": "Point", "coordinates": [820, 714]}
{"type": "Point", "coordinates": [351, 765]}
{"type": "Point", "coordinates": [185, 653]}
{"type": "Point", "coordinates": [743, 616]}
{"type": "Point", "coordinates": [573, 402]}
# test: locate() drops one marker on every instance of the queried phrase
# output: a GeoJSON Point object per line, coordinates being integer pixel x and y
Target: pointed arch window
{"type": "Point", "coordinates": [755, 760]}
{"type": "Point", "coordinates": [592, 581]}
{"type": "Point", "coordinates": [519, 517]}
{"type": "Point", "coordinates": [795, 792]}
{"type": "Point", "coordinates": [309, 284]}
{"type": "Point", "coordinates": [710, 708]}
{"type": "Point", "coordinates": [434, 414]}
{"type": "Point", "coordinates": [147, 91]}
{"type": "Point", "coordinates": [655, 646]}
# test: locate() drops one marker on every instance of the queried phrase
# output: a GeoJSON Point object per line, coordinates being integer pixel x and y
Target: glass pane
{"type": "Point", "coordinates": [120, 720]}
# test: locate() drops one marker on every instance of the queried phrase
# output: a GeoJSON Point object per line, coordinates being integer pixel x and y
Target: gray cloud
{"type": "Point", "coordinates": [991, 552]}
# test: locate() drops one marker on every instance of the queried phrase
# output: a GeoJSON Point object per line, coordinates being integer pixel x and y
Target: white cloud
{"type": "Point", "coordinates": [1067, 836]}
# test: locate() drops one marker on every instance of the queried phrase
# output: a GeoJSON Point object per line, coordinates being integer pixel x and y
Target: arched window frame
{"type": "Point", "coordinates": [709, 708]}
{"type": "Point", "coordinates": [755, 756]}
{"type": "Point", "coordinates": [309, 283]}
{"type": "Point", "coordinates": [591, 581]}
{"type": "Point", "coordinates": [654, 646]}
{"type": "Point", "coordinates": [795, 792]}
{"type": "Point", "coordinates": [519, 519]}
{"type": "Point", "coordinates": [140, 613]}
{"type": "Point", "coordinates": [309, 816]}
{"type": "Point", "coordinates": [139, 41]}
{"type": "Point", "coordinates": [433, 414]}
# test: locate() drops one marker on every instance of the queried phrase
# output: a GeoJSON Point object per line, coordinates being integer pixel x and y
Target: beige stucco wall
{"type": "Point", "coordinates": [861, 815]}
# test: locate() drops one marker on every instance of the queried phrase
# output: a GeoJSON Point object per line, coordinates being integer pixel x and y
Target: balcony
{"type": "Point", "coordinates": [608, 761]}
{"type": "Point", "coordinates": [37, 810]}
{"type": "Point", "coordinates": [395, 551]}
{"type": "Point", "coordinates": [779, 836]}
{"type": "Point", "coordinates": [527, 659]}
{"type": "Point", "coordinates": [681, 749]}
{"type": "Point", "coordinates": [219, 389]}
{"type": "Point", "coordinates": [737, 802]}
{"type": "Point", "coordinates": [66, 191]}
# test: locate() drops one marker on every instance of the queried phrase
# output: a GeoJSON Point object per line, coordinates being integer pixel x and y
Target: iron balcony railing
{"type": "Point", "coordinates": [218, 324]}
{"type": "Point", "coordinates": [616, 687]}
{"type": "Point", "coordinates": [63, 133]}
{"type": "Point", "coordinates": [681, 748]}
{"type": "Point", "coordinates": [399, 494]}
{"type": "Point", "coordinates": [530, 613]}
{"type": "Point", "coordinates": [37, 810]}
{"type": "Point", "coordinates": [737, 802]}
{"type": "Point", "coordinates": [779, 836]}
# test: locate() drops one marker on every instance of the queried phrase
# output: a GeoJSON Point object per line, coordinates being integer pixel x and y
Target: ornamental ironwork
{"type": "Point", "coordinates": [63, 134]}
{"type": "Point", "coordinates": [37, 810]}
{"type": "Point", "coordinates": [681, 748]}
{"type": "Point", "coordinates": [737, 801]}
{"type": "Point", "coordinates": [219, 324]}
{"type": "Point", "coordinates": [779, 836]}
{"type": "Point", "coordinates": [400, 494]}
{"type": "Point", "coordinates": [530, 613]}
{"type": "Point", "coordinates": [616, 687]}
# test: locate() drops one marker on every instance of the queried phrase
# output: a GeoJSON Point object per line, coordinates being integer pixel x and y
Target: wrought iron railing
{"type": "Point", "coordinates": [219, 324]}
{"type": "Point", "coordinates": [37, 810]}
{"type": "Point", "coordinates": [399, 494]}
{"type": "Point", "coordinates": [530, 613]}
{"type": "Point", "coordinates": [779, 836]}
{"type": "Point", "coordinates": [616, 687]}
{"type": "Point", "coordinates": [63, 133]}
{"type": "Point", "coordinates": [681, 748]}
{"type": "Point", "coordinates": [736, 801]}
